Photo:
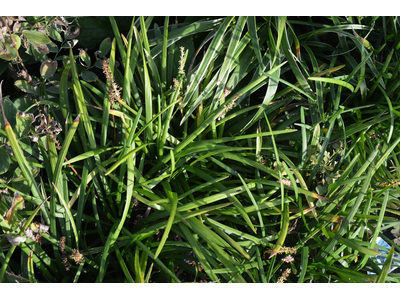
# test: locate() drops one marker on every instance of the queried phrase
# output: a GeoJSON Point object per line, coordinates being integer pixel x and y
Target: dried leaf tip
{"type": "Point", "coordinates": [77, 118]}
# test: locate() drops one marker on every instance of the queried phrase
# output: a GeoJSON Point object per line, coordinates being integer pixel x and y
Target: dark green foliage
{"type": "Point", "coordinates": [201, 149]}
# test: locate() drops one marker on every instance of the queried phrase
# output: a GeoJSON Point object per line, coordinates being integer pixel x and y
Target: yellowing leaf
{"type": "Point", "coordinates": [48, 68]}
{"type": "Point", "coordinates": [17, 203]}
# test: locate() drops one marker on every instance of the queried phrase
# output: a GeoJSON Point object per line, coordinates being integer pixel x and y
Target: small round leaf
{"type": "Point", "coordinates": [85, 58]}
{"type": "Point", "coordinates": [89, 76]}
{"type": "Point", "coordinates": [105, 47]}
{"type": "Point", "coordinates": [48, 68]}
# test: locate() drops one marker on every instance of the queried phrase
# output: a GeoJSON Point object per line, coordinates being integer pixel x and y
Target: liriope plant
{"type": "Point", "coordinates": [235, 149]}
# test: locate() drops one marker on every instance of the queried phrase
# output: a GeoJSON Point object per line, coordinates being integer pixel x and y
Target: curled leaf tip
{"type": "Point", "coordinates": [15, 240]}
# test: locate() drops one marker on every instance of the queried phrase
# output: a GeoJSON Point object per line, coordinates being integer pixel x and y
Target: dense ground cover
{"type": "Point", "coordinates": [197, 149]}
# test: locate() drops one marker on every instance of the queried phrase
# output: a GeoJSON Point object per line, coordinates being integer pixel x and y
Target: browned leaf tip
{"type": "Point", "coordinates": [77, 118]}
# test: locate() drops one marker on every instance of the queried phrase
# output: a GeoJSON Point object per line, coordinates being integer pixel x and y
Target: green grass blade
{"type": "Point", "coordinates": [173, 198]}
{"type": "Point", "coordinates": [124, 158]}
{"type": "Point", "coordinates": [126, 89]}
{"type": "Point", "coordinates": [123, 265]}
{"type": "Point", "coordinates": [382, 73]}
{"type": "Point", "coordinates": [251, 23]}
{"type": "Point", "coordinates": [294, 67]}
{"type": "Point", "coordinates": [68, 211]}
{"type": "Point", "coordinates": [260, 220]}
{"type": "Point", "coordinates": [303, 264]}
{"type": "Point", "coordinates": [79, 272]}
{"type": "Point", "coordinates": [191, 29]}
{"type": "Point", "coordinates": [283, 232]}
{"type": "Point", "coordinates": [88, 154]}
{"type": "Point", "coordinates": [6, 262]}
{"type": "Point", "coordinates": [80, 99]}
{"type": "Point", "coordinates": [147, 91]}
{"type": "Point", "coordinates": [271, 91]}
{"type": "Point", "coordinates": [106, 252]}
{"type": "Point", "coordinates": [118, 38]}
{"type": "Point", "coordinates": [231, 56]}
{"type": "Point", "coordinates": [206, 61]}
{"type": "Point", "coordinates": [164, 52]}
{"type": "Point", "coordinates": [377, 226]}
{"type": "Point", "coordinates": [386, 267]}
{"type": "Point", "coordinates": [31, 272]}
{"type": "Point", "coordinates": [64, 149]}
{"type": "Point", "coordinates": [354, 245]}
{"type": "Point", "coordinates": [197, 249]}
{"type": "Point", "coordinates": [333, 81]}
{"type": "Point", "coordinates": [215, 242]}
{"type": "Point", "coordinates": [260, 266]}
{"type": "Point", "coordinates": [390, 108]}
{"type": "Point", "coordinates": [365, 186]}
{"type": "Point", "coordinates": [157, 261]}
{"type": "Point", "coordinates": [229, 240]}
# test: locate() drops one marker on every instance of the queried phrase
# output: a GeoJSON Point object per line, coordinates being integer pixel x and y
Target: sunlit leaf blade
{"type": "Point", "coordinates": [283, 232]}
{"type": "Point", "coordinates": [334, 81]}
{"type": "Point", "coordinates": [386, 267]}
{"type": "Point", "coordinates": [173, 197]}
{"type": "Point", "coordinates": [207, 60]}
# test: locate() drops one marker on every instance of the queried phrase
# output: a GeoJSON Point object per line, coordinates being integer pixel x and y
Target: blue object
{"type": "Point", "coordinates": [380, 259]}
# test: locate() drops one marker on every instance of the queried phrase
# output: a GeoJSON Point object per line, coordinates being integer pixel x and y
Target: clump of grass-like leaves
{"type": "Point", "coordinates": [236, 149]}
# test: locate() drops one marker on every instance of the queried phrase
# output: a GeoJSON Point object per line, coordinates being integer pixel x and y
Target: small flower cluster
{"type": "Point", "coordinates": [286, 182]}
{"type": "Point", "coordinates": [114, 91]}
{"type": "Point", "coordinates": [228, 108]}
{"type": "Point", "coordinates": [288, 259]}
{"type": "Point", "coordinates": [176, 84]}
{"type": "Point", "coordinates": [64, 257]}
{"type": "Point", "coordinates": [284, 276]}
{"type": "Point", "coordinates": [389, 183]}
{"type": "Point", "coordinates": [76, 255]}
{"type": "Point", "coordinates": [181, 77]}
{"type": "Point", "coordinates": [181, 71]}
{"type": "Point", "coordinates": [285, 250]}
